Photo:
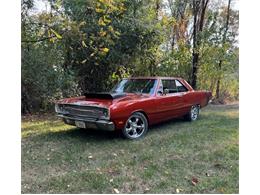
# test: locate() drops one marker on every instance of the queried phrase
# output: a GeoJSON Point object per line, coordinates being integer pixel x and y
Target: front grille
{"type": "Point", "coordinates": [84, 111]}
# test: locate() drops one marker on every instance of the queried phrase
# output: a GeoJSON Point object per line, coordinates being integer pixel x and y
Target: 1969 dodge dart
{"type": "Point", "coordinates": [133, 105]}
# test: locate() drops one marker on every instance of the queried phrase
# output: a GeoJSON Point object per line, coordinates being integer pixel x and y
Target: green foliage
{"type": "Point", "coordinates": [43, 80]}
{"type": "Point", "coordinates": [177, 62]}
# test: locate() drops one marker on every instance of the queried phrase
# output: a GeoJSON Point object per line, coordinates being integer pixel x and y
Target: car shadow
{"type": "Point", "coordinates": [165, 124]}
{"type": "Point", "coordinates": [86, 134]}
{"type": "Point", "coordinates": [96, 135]}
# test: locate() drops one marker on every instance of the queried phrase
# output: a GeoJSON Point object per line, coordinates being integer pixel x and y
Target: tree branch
{"type": "Point", "coordinates": [38, 40]}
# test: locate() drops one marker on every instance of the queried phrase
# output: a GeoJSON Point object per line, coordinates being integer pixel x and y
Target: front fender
{"type": "Point", "coordinates": [120, 113]}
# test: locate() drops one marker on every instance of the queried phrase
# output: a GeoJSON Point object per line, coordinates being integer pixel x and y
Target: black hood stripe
{"type": "Point", "coordinates": [104, 95]}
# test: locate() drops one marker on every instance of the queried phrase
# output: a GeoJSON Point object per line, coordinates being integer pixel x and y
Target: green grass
{"type": "Point", "coordinates": [55, 157]}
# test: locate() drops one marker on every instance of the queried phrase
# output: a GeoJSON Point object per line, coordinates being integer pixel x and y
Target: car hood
{"type": "Point", "coordinates": [102, 99]}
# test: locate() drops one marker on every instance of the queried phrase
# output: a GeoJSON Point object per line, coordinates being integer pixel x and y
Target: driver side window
{"type": "Point", "coordinates": [169, 85]}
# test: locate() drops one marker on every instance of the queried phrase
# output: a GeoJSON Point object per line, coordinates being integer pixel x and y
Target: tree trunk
{"type": "Point", "coordinates": [25, 101]}
{"type": "Point", "coordinates": [197, 29]}
{"type": "Point", "coordinates": [194, 50]}
{"type": "Point", "coordinates": [223, 42]}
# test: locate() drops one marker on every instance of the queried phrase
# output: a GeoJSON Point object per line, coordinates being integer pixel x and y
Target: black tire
{"type": "Point", "coordinates": [193, 114]}
{"type": "Point", "coordinates": [136, 126]}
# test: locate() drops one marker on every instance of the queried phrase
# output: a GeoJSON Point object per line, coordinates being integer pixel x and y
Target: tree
{"type": "Point", "coordinates": [199, 10]}
{"type": "Point", "coordinates": [88, 45]}
{"type": "Point", "coordinates": [223, 42]}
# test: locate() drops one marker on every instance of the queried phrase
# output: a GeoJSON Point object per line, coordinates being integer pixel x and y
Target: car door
{"type": "Point", "coordinates": [168, 105]}
{"type": "Point", "coordinates": [183, 93]}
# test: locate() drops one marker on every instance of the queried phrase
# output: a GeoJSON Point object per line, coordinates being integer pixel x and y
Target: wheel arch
{"type": "Point", "coordinates": [143, 112]}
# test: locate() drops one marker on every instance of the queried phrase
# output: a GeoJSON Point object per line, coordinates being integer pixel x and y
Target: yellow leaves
{"type": "Point", "coordinates": [122, 8]}
{"type": "Point", "coordinates": [102, 33]}
{"type": "Point", "coordinates": [82, 23]}
{"type": "Point", "coordinates": [117, 33]}
{"type": "Point", "coordinates": [111, 29]}
{"type": "Point", "coordinates": [98, 10]}
{"type": "Point", "coordinates": [104, 49]}
{"type": "Point", "coordinates": [101, 22]}
{"type": "Point", "coordinates": [83, 44]}
{"type": "Point", "coordinates": [165, 20]}
{"type": "Point", "coordinates": [56, 34]}
{"type": "Point", "coordinates": [106, 19]}
{"type": "Point", "coordinates": [106, 2]}
{"type": "Point", "coordinates": [52, 38]}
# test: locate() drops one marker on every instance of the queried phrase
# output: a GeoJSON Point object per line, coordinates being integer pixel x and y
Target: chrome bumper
{"type": "Point", "coordinates": [89, 122]}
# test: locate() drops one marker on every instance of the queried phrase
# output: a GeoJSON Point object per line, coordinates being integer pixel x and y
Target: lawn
{"type": "Point", "coordinates": [174, 157]}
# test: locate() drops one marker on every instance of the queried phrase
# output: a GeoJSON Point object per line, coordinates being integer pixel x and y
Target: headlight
{"type": "Point", "coordinates": [106, 114]}
{"type": "Point", "coordinates": [57, 108]}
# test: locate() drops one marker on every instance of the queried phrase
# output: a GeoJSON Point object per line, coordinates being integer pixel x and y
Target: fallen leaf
{"type": "Point", "coordinates": [177, 190]}
{"type": "Point", "coordinates": [90, 157]}
{"type": "Point", "coordinates": [194, 181]}
{"type": "Point", "coordinates": [111, 180]}
{"type": "Point", "coordinates": [221, 190]}
{"type": "Point", "coordinates": [116, 190]}
{"type": "Point", "coordinates": [114, 154]}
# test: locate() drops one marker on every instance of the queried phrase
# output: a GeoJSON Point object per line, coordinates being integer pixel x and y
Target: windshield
{"type": "Point", "coordinates": [135, 86]}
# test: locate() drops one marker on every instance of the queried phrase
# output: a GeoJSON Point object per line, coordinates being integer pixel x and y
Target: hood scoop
{"type": "Point", "coordinates": [103, 95]}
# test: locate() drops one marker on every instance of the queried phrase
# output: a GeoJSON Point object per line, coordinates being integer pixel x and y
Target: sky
{"type": "Point", "coordinates": [43, 5]}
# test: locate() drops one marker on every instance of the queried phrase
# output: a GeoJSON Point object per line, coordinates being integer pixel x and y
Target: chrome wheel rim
{"type": "Point", "coordinates": [135, 126]}
{"type": "Point", "coordinates": [194, 112]}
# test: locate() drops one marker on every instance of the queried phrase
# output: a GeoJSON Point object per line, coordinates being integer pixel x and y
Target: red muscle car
{"type": "Point", "coordinates": [133, 105]}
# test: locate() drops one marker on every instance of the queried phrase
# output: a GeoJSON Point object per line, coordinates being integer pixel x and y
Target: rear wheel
{"type": "Point", "coordinates": [193, 113]}
{"type": "Point", "coordinates": [136, 126]}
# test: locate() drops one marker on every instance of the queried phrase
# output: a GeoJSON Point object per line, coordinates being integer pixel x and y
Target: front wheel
{"type": "Point", "coordinates": [136, 126]}
{"type": "Point", "coordinates": [193, 113]}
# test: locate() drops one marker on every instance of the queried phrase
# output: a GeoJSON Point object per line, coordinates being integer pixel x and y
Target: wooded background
{"type": "Point", "coordinates": [89, 45]}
